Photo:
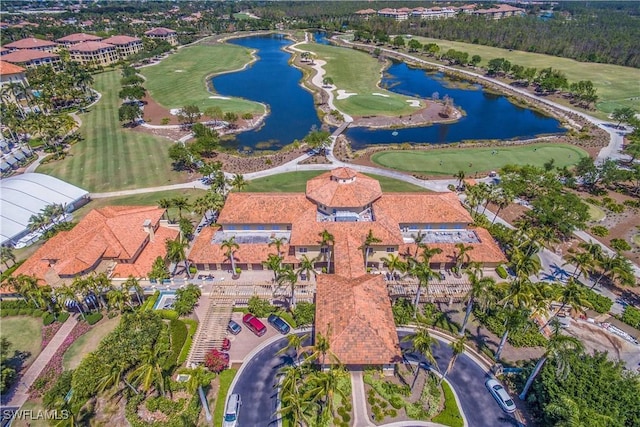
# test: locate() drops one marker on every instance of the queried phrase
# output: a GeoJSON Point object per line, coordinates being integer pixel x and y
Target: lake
{"type": "Point", "coordinates": [272, 81]}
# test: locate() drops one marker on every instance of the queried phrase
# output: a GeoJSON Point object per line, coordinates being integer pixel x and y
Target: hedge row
{"type": "Point", "coordinates": [193, 326]}
{"type": "Point", "coordinates": [5, 274]}
{"type": "Point", "coordinates": [93, 318]}
{"type": "Point", "coordinates": [502, 272]}
{"type": "Point", "coordinates": [168, 314]}
{"type": "Point", "coordinates": [178, 332]}
{"type": "Point", "coordinates": [600, 303]}
{"type": "Point", "coordinates": [450, 415]}
{"type": "Point", "coordinates": [151, 301]}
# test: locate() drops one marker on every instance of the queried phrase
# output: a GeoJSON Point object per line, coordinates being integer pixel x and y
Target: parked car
{"type": "Point", "coordinates": [278, 323]}
{"type": "Point", "coordinates": [232, 411]}
{"type": "Point", "coordinates": [501, 395]}
{"type": "Point", "coordinates": [234, 328]}
{"type": "Point", "coordinates": [226, 344]}
{"type": "Point", "coordinates": [254, 324]}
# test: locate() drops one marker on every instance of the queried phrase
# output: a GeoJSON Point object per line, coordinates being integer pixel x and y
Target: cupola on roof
{"type": "Point", "coordinates": [343, 188]}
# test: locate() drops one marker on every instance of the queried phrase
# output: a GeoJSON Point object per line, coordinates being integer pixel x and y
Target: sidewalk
{"type": "Point", "coordinates": [19, 393]}
{"type": "Point", "coordinates": [360, 414]}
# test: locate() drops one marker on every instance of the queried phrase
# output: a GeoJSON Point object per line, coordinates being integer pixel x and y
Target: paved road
{"type": "Point", "coordinates": [256, 387]}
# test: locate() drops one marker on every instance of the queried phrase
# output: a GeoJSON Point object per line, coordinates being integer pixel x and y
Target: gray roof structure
{"type": "Point", "coordinates": [24, 195]}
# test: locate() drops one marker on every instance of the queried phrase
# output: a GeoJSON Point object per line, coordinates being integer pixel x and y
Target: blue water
{"type": "Point", "coordinates": [488, 116]}
{"type": "Point", "coordinates": [272, 81]}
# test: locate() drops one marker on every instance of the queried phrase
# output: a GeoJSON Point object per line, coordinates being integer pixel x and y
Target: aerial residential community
{"type": "Point", "coordinates": [380, 213]}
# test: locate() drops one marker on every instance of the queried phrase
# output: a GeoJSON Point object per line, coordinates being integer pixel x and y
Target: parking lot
{"type": "Point", "coordinates": [243, 343]}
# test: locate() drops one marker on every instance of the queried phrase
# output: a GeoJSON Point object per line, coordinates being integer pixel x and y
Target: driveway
{"type": "Point", "coordinates": [256, 386]}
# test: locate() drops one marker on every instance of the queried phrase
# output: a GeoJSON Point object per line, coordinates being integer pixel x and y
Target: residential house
{"type": "Point", "coordinates": [397, 14]}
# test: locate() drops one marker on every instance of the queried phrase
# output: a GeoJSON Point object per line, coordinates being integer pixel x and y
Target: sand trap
{"type": "Point", "coordinates": [413, 102]}
{"type": "Point", "coordinates": [380, 94]}
{"type": "Point", "coordinates": [343, 94]}
{"type": "Point", "coordinates": [219, 97]}
{"type": "Point", "coordinates": [179, 71]}
{"type": "Point", "coordinates": [175, 111]}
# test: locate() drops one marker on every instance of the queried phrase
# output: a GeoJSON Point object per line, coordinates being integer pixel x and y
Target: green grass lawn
{"type": "Point", "coordinates": [226, 377]}
{"type": "Point", "coordinates": [88, 343]}
{"type": "Point", "coordinates": [360, 73]}
{"type": "Point", "coordinates": [35, 406]}
{"type": "Point", "coordinates": [481, 159]}
{"type": "Point", "coordinates": [595, 213]}
{"type": "Point", "coordinates": [617, 86]}
{"type": "Point", "coordinates": [296, 182]}
{"type": "Point", "coordinates": [181, 78]}
{"type": "Point", "coordinates": [111, 157]}
{"type": "Point", "coordinates": [24, 333]}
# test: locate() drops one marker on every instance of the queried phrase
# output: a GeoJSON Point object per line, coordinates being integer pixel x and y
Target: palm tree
{"type": "Point", "coordinates": [481, 289]}
{"type": "Point", "coordinates": [524, 264]}
{"type": "Point", "coordinates": [519, 294]}
{"type": "Point", "coordinates": [113, 376]}
{"type": "Point", "coordinates": [366, 246]}
{"type": "Point", "coordinates": [199, 377]}
{"type": "Point", "coordinates": [583, 261]}
{"type": "Point", "coordinates": [457, 347]}
{"type": "Point", "coordinates": [165, 204]}
{"type": "Point", "coordinates": [424, 273]}
{"type": "Point", "coordinates": [418, 238]}
{"type": "Point", "coordinates": [307, 266]}
{"type": "Point", "coordinates": [176, 252]}
{"type": "Point", "coordinates": [327, 241]}
{"type": "Point", "coordinates": [295, 342]}
{"type": "Point", "coordinates": [515, 320]}
{"type": "Point", "coordinates": [100, 285]}
{"type": "Point", "coordinates": [26, 286]}
{"type": "Point", "coordinates": [460, 175]}
{"type": "Point", "coordinates": [230, 246]}
{"type": "Point", "coordinates": [288, 278]}
{"type": "Point", "coordinates": [150, 372]}
{"type": "Point", "coordinates": [502, 200]}
{"type": "Point", "coordinates": [461, 256]}
{"type": "Point", "coordinates": [119, 298]}
{"type": "Point", "coordinates": [181, 203]}
{"type": "Point", "coordinates": [37, 222]}
{"type": "Point", "coordinates": [321, 348]}
{"type": "Point", "coordinates": [132, 283]}
{"type": "Point", "coordinates": [66, 293]}
{"type": "Point", "coordinates": [84, 289]}
{"type": "Point", "coordinates": [324, 385]}
{"type": "Point", "coordinates": [393, 263]}
{"type": "Point", "coordinates": [559, 347]}
{"type": "Point", "coordinates": [293, 405]}
{"type": "Point", "coordinates": [422, 343]}
{"type": "Point", "coordinates": [571, 295]}
{"type": "Point", "coordinates": [274, 263]}
{"type": "Point", "coordinates": [238, 182]}
{"type": "Point", "coordinates": [278, 242]}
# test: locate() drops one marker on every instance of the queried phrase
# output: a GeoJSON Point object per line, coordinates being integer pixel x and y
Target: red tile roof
{"type": "Point", "coordinates": [343, 188]}
{"type": "Point", "coordinates": [422, 208]}
{"type": "Point", "coordinates": [6, 68]}
{"type": "Point", "coordinates": [263, 208]}
{"type": "Point", "coordinates": [26, 55]}
{"type": "Point", "coordinates": [143, 263]}
{"type": "Point", "coordinates": [90, 47]}
{"type": "Point", "coordinates": [114, 232]}
{"type": "Point", "coordinates": [121, 40]}
{"type": "Point", "coordinates": [355, 315]}
{"type": "Point", "coordinates": [78, 37]}
{"type": "Point", "coordinates": [30, 43]}
{"type": "Point", "coordinates": [160, 31]}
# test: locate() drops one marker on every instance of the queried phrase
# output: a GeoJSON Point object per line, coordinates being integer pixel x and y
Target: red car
{"type": "Point", "coordinates": [254, 324]}
{"type": "Point", "coordinates": [226, 344]}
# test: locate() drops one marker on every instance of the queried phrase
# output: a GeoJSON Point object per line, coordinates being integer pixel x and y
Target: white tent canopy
{"type": "Point", "coordinates": [24, 195]}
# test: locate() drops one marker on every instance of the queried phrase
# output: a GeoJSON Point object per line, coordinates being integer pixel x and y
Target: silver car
{"type": "Point", "coordinates": [500, 394]}
{"type": "Point", "coordinates": [232, 411]}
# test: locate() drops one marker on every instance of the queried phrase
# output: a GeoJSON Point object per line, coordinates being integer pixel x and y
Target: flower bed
{"type": "Point", "coordinates": [48, 332]}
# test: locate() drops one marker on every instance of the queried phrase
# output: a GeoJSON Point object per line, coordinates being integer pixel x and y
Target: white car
{"type": "Point", "coordinates": [232, 411]}
{"type": "Point", "coordinates": [500, 394]}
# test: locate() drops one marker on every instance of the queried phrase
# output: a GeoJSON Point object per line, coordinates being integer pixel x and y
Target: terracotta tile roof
{"type": "Point", "coordinates": [160, 31]}
{"type": "Point", "coordinates": [366, 12]}
{"type": "Point", "coordinates": [90, 47]}
{"type": "Point", "coordinates": [30, 43]}
{"type": "Point", "coordinates": [111, 232]}
{"type": "Point", "coordinates": [263, 208]}
{"type": "Point", "coordinates": [348, 259]}
{"type": "Point", "coordinates": [121, 40]}
{"type": "Point", "coordinates": [26, 55]}
{"type": "Point", "coordinates": [422, 208]}
{"type": "Point", "coordinates": [355, 314]}
{"type": "Point", "coordinates": [143, 263]}
{"type": "Point", "coordinates": [6, 68]}
{"type": "Point", "coordinates": [78, 37]}
{"type": "Point", "coordinates": [343, 187]}
{"type": "Point", "coordinates": [4, 50]}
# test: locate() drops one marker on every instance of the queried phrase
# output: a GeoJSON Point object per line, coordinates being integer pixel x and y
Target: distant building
{"type": "Point", "coordinates": [126, 45]}
{"type": "Point", "coordinates": [433, 13]}
{"type": "Point", "coordinates": [499, 12]}
{"type": "Point", "coordinates": [76, 38]}
{"type": "Point", "coordinates": [396, 14]}
{"type": "Point", "coordinates": [164, 34]}
{"type": "Point", "coordinates": [32, 43]}
{"type": "Point", "coordinates": [94, 53]}
{"type": "Point", "coordinates": [31, 58]}
{"type": "Point", "coordinates": [11, 74]}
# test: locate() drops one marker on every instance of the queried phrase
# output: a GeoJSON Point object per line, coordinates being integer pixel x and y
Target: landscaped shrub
{"type": "Point", "coordinates": [631, 316]}
{"type": "Point", "coordinates": [186, 299]}
{"type": "Point", "coordinates": [178, 332]}
{"type": "Point", "coordinates": [304, 313]}
{"type": "Point", "coordinates": [94, 318]}
{"type": "Point", "coordinates": [62, 317]}
{"type": "Point", "coordinates": [502, 272]}
{"type": "Point", "coordinates": [288, 318]}
{"type": "Point", "coordinates": [37, 313]}
{"type": "Point", "coordinates": [150, 302]}
{"type": "Point", "coordinates": [168, 314]}
{"type": "Point", "coordinates": [599, 230]}
{"type": "Point", "coordinates": [450, 415]}
{"type": "Point", "coordinates": [10, 311]}
{"type": "Point", "coordinates": [48, 319]}
{"type": "Point", "coordinates": [397, 402]}
{"type": "Point", "coordinates": [260, 307]}
{"type": "Point", "coordinates": [600, 303]}
{"type": "Point", "coordinates": [25, 312]}
{"type": "Point", "coordinates": [184, 353]}
{"type": "Point", "coordinates": [494, 320]}
{"type": "Point", "coordinates": [215, 361]}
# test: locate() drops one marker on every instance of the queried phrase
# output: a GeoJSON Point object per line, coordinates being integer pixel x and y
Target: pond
{"type": "Point", "coordinates": [272, 81]}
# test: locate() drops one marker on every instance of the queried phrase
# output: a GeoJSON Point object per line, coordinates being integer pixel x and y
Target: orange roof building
{"type": "Point", "coordinates": [125, 239]}
{"type": "Point", "coordinates": [164, 34]}
{"type": "Point", "coordinates": [126, 45]}
{"type": "Point", "coordinates": [32, 43]}
{"type": "Point", "coordinates": [75, 38]}
{"type": "Point", "coordinates": [32, 58]}
{"type": "Point", "coordinates": [94, 53]}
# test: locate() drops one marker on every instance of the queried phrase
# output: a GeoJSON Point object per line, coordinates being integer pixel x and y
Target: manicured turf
{"type": "Point", "coordinates": [617, 86]}
{"type": "Point", "coordinates": [482, 159]}
{"type": "Point", "coordinates": [296, 182]}
{"type": "Point", "coordinates": [88, 343]}
{"type": "Point", "coordinates": [360, 73]}
{"type": "Point", "coordinates": [24, 333]}
{"type": "Point", "coordinates": [36, 407]}
{"type": "Point", "coordinates": [595, 213]}
{"type": "Point", "coordinates": [226, 377]}
{"type": "Point", "coordinates": [111, 157]}
{"type": "Point", "coordinates": [181, 79]}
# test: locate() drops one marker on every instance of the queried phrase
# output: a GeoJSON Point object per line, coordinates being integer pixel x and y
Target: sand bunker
{"type": "Point", "coordinates": [343, 94]}
{"type": "Point", "coordinates": [413, 102]}
{"type": "Point", "coordinates": [179, 71]}
{"type": "Point", "coordinates": [219, 97]}
{"type": "Point", "coordinates": [380, 94]}
{"type": "Point", "coordinates": [175, 111]}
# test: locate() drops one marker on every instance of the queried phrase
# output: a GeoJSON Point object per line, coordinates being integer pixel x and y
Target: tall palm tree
{"type": "Point", "coordinates": [119, 298]}
{"type": "Point", "coordinates": [26, 286]}
{"type": "Point", "coordinates": [520, 293]}
{"type": "Point", "coordinates": [515, 320]}
{"type": "Point", "coordinates": [288, 278]}
{"type": "Point", "coordinates": [369, 240]}
{"type": "Point", "coordinates": [293, 405]}
{"type": "Point", "coordinates": [112, 378]}
{"type": "Point", "coordinates": [230, 245]}
{"type": "Point", "coordinates": [307, 266]}
{"type": "Point", "coordinates": [181, 203]}
{"type": "Point", "coordinates": [571, 295]}
{"type": "Point", "coordinates": [278, 242]}
{"type": "Point", "coordinates": [199, 377]}
{"type": "Point", "coordinates": [503, 199]}
{"type": "Point", "coordinates": [559, 347]}
{"type": "Point", "coordinates": [583, 262]}
{"type": "Point", "coordinates": [132, 283]}
{"type": "Point", "coordinates": [418, 238]}
{"type": "Point", "coordinates": [165, 204]}
{"type": "Point", "coordinates": [295, 342]}
{"type": "Point", "coordinates": [393, 263]}
{"type": "Point", "coordinates": [321, 348]}
{"type": "Point", "coordinates": [524, 264]}
{"type": "Point", "coordinates": [482, 290]}
{"type": "Point", "coordinates": [327, 241]}
{"type": "Point", "coordinates": [176, 253]}
{"type": "Point", "coordinates": [238, 182]}
{"type": "Point", "coordinates": [150, 373]}
{"type": "Point", "coordinates": [100, 285]}
{"type": "Point", "coordinates": [37, 222]}
{"type": "Point", "coordinates": [66, 293]}
{"type": "Point", "coordinates": [457, 347]}
{"type": "Point", "coordinates": [461, 255]}
{"type": "Point", "coordinates": [460, 175]}
{"type": "Point", "coordinates": [424, 274]}
{"type": "Point", "coordinates": [324, 386]}
{"type": "Point", "coordinates": [422, 343]}
{"type": "Point", "coordinates": [273, 263]}
{"type": "Point", "coordinates": [86, 292]}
